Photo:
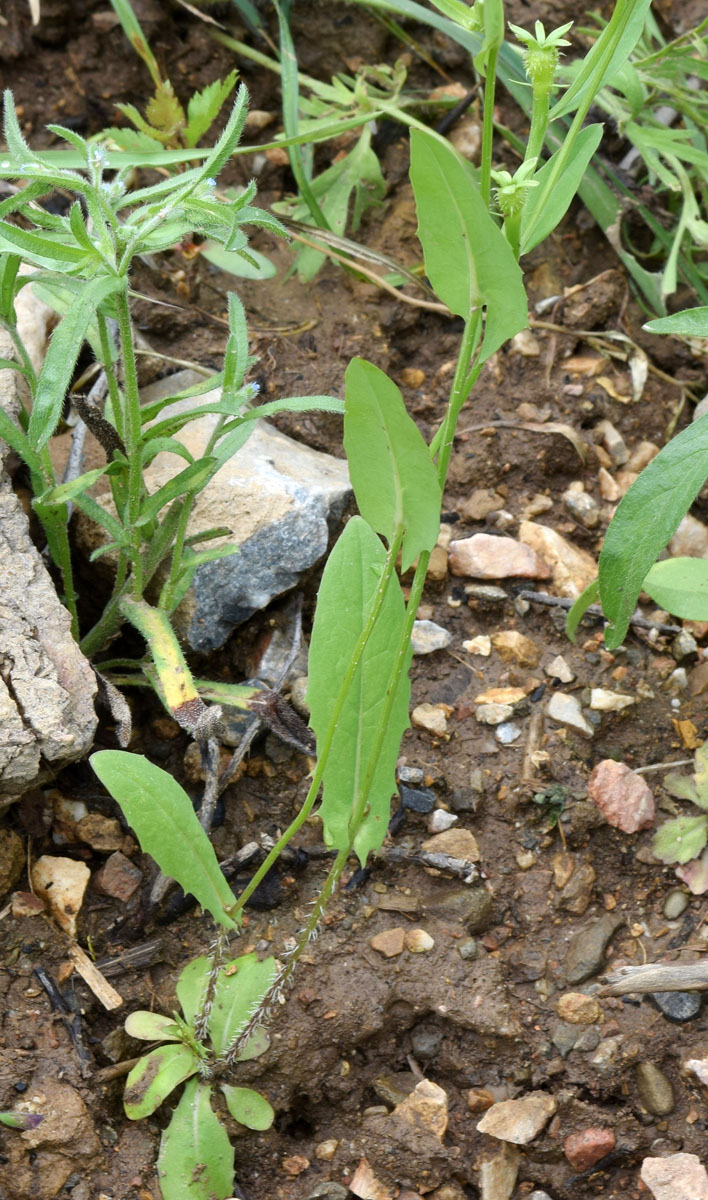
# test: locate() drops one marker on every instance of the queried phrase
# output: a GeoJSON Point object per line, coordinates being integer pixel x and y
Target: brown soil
{"type": "Point", "coordinates": [357, 1025]}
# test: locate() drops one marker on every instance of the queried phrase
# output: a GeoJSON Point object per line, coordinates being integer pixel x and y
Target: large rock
{"type": "Point", "coordinates": [47, 687]}
{"type": "Point", "coordinates": [278, 498]}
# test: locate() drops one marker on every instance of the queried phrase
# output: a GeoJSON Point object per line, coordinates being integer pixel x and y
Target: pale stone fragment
{"type": "Point", "coordinates": [518, 1121]}
{"type": "Point", "coordinates": [487, 556]}
{"type": "Point", "coordinates": [61, 882]}
{"type": "Point", "coordinates": [571, 567]}
{"type": "Point", "coordinates": [566, 710]}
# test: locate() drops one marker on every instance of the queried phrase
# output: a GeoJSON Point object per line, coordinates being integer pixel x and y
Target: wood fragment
{"type": "Point", "coordinates": [93, 978]}
{"type": "Point", "coordinates": [657, 977]}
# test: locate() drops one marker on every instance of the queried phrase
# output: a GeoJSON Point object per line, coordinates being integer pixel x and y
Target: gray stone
{"type": "Point", "coordinates": [565, 709]}
{"type": "Point", "coordinates": [507, 733]}
{"type": "Point", "coordinates": [585, 955]}
{"type": "Point", "coordinates": [582, 506]}
{"type": "Point", "coordinates": [497, 1175]}
{"type": "Point", "coordinates": [675, 904]}
{"type": "Point", "coordinates": [564, 1037]}
{"type": "Point", "coordinates": [678, 1006]}
{"type": "Point", "coordinates": [484, 595]}
{"type": "Point", "coordinates": [472, 907]}
{"type": "Point", "coordinates": [279, 500]}
{"type": "Point", "coordinates": [47, 687]}
{"type": "Point", "coordinates": [426, 1041]}
{"type": "Point", "coordinates": [468, 949]}
{"type": "Point", "coordinates": [656, 1091]}
{"type": "Point", "coordinates": [428, 637]}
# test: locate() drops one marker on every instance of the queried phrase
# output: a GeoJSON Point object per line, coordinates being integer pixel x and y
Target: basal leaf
{"type": "Point", "coordinates": [236, 264]}
{"type": "Point", "coordinates": [155, 1076]}
{"type": "Point", "coordinates": [347, 591]}
{"type": "Point", "coordinates": [681, 786]}
{"type": "Point", "coordinates": [239, 990]}
{"type": "Point", "coordinates": [248, 1107]}
{"type": "Point", "coordinates": [646, 518]}
{"type": "Point", "coordinates": [393, 476]}
{"type": "Point", "coordinates": [467, 258]}
{"type": "Point", "coordinates": [196, 1160]}
{"type": "Point", "coordinates": [161, 813]}
{"type": "Point", "coordinates": [192, 986]}
{"type": "Point", "coordinates": [680, 840]}
{"type": "Point", "coordinates": [151, 1027]}
{"type": "Point", "coordinates": [680, 585]}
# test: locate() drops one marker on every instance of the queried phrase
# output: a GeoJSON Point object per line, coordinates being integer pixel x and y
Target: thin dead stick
{"type": "Point", "coordinates": [657, 977]}
{"type": "Point", "coordinates": [594, 610]}
{"type": "Point", "coordinates": [533, 745]}
{"type": "Point", "coordinates": [680, 762]}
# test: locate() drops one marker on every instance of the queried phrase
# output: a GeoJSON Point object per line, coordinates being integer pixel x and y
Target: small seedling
{"type": "Point", "coordinates": [21, 1120]}
{"type": "Point", "coordinates": [683, 839]}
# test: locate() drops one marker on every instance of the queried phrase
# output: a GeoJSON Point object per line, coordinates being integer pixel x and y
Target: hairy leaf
{"type": "Point", "coordinates": [680, 840]}
{"type": "Point", "coordinates": [393, 476]}
{"type": "Point", "coordinates": [161, 813]}
{"type": "Point", "coordinates": [192, 986]}
{"type": "Point", "coordinates": [239, 991]}
{"type": "Point", "coordinates": [196, 1160]}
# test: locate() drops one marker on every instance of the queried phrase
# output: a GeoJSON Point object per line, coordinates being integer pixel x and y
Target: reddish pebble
{"type": "Point", "coordinates": [622, 796]}
{"type": "Point", "coordinates": [587, 1147]}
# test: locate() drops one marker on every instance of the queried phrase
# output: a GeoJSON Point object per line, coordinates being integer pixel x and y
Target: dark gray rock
{"type": "Point", "coordinates": [585, 955]}
{"type": "Point", "coordinates": [678, 1006]}
{"type": "Point", "coordinates": [418, 800]}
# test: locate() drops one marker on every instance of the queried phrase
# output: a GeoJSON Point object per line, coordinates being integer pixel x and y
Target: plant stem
{"type": "Point", "coordinates": [539, 123]}
{"type": "Point", "coordinates": [488, 125]}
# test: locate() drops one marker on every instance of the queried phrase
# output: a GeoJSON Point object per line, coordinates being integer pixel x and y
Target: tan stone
{"type": "Point", "coordinates": [578, 1009]}
{"type": "Point", "coordinates": [390, 942]}
{"type": "Point", "coordinates": [513, 646]}
{"type": "Point", "coordinates": [572, 568]}
{"type": "Point", "coordinates": [426, 1108]}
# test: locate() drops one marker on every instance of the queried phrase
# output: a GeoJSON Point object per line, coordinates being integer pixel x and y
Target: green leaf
{"type": "Point", "coordinates": [680, 585]}
{"type": "Point", "coordinates": [204, 107]}
{"type": "Point", "coordinates": [155, 1076]}
{"type": "Point", "coordinates": [239, 990]}
{"type": "Point", "coordinates": [192, 478]}
{"type": "Point", "coordinates": [347, 592]}
{"type": "Point", "coordinates": [9, 267]}
{"type": "Point", "coordinates": [575, 614]}
{"type": "Point", "coordinates": [192, 986]}
{"type": "Point", "coordinates": [161, 813]}
{"type": "Point", "coordinates": [681, 786]}
{"type": "Point", "coordinates": [646, 518]}
{"type": "Point", "coordinates": [691, 322]}
{"type": "Point", "coordinates": [564, 189]}
{"type": "Point", "coordinates": [133, 31]}
{"type": "Point", "coordinates": [248, 1107]}
{"type": "Point", "coordinates": [196, 1160]}
{"type": "Point", "coordinates": [39, 249]}
{"type": "Point", "coordinates": [609, 53]}
{"type": "Point", "coordinates": [467, 258]}
{"type": "Point", "coordinates": [680, 840]}
{"type": "Point", "coordinates": [296, 404]}
{"type": "Point", "coordinates": [60, 360]}
{"type": "Point", "coordinates": [393, 476]}
{"type": "Point", "coordinates": [236, 264]}
{"type": "Point", "coordinates": [65, 492]}
{"type": "Point", "coordinates": [151, 1027]}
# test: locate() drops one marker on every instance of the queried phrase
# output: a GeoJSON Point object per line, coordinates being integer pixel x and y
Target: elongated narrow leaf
{"type": "Point", "coordinates": [248, 1107]}
{"type": "Point", "coordinates": [155, 1076]}
{"type": "Point", "coordinates": [68, 491]}
{"type": "Point", "coordinates": [9, 266]}
{"type": "Point", "coordinates": [235, 264]}
{"type": "Point", "coordinates": [576, 613]}
{"type": "Point", "coordinates": [196, 1160]}
{"type": "Point", "coordinates": [680, 585]}
{"type": "Point", "coordinates": [609, 53]}
{"type": "Point", "coordinates": [38, 248]}
{"type": "Point", "coordinates": [347, 592]}
{"type": "Point", "coordinates": [192, 986]}
{"type": "Point", "coordinates": [239, 991]}
{"type": "Point", "coordinates": [691, 322]}
{"type": "Point", "coordinates": [467, 258]}
{"type": "Point", "coordinates": [393, 476]}
{"type": "Point", "coordinates": [646, 518]}
{"type": "Point", "coordinates": [161, 813]}
{"type": "Point", "coordinates": [58, 366]}
{"type": "Point", "coordinates": [564, 188]}
{"type": "Point", "coordinates": [192, 477]}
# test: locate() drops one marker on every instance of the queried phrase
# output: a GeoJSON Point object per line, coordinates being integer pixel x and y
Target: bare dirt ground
{"type": "Point", "coordinates": [477, 1013]}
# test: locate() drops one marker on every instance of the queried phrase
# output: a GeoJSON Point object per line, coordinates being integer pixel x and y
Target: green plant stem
{"type": "Point", "coordinates": [28, 370]}
{"type": "Point", "coordinates": [58, 536]}
{"type": "Point", "coordinates": [488, 125]}
{"type": "Point", "coordinates": [324, 750]}
{"type": "Point", "coordinates": [108, 356]}
{"type": "Point", "coordinates": [132, 437]}
{"type": "Point", "coordinates": [539, 123]}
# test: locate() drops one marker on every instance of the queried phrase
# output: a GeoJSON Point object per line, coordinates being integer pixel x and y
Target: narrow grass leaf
{"type": "Point", "coordinates": [347, 592]}
{"type": "Point", "coordinates": [467, 258]}
{"type": "Point", "coordinates": [393, 476]}
{"type": "Point", "coordinates": [161, 813]}
{"type": "Point", "coordinates": [239, 990]}
{"type": "Point", "coordinates": [609, 53]}
{"type": "Point", "coordinates": [248, 1107]}
{"type": "Point", "coordinates": [646, 518]}
{"type": "Point", "coordinates": [196, 1160]}
{"type": "Point", "coordinates": [680, 585]}
{"type": "Point", "coordinates": [155, 1076]}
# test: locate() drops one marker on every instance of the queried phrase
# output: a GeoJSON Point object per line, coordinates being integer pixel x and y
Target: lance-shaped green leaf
{"type": "Point", "coordinates": [155, 1076]}
{"type": "Point", "coordinates": [248, 1107]}
{"type": "Point", "coordinates": [58, 366]}
{"type": "Point", "coordinates": [646, 518]}
{"type": "Point", "coordinates": [565, 186]}
{"type": "Point", "coordinates": [191, 987]}
{"type": "Point", "coordinates": [349, 586]}
{"type": "Point", "coordinates": [467, 258]}
{"type": "Point", "coordinates": [680, 585]}
{"type": "Point", "coordinates": [610, 51]}
{"type": "Point", "coordinates": [690, 322]}
{"type": "Point", "coordinates": [151, 1027]}
{"type": "Point", "coordinates": [393, 476]}
{"type": "Point", "coordinates": [161, 813]}
{"type": "Point", "coordinates": [196, 1160]}
{"type": "Point", "coordinates": [239, 991]}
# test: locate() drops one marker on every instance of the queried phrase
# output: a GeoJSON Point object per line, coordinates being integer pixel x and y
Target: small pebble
{"type": "Point", "coordinates": [586, 1147]}
{"type": "Point", "coordinates": [432, 718]}
{"type": "Point", "coordinates": [525, 860]}
{"type": "Point", "coordinates": [508, 733]}
{"type": "Point", "coordinates": [410, 775]}
{"type": "Point", "coordinates": [675, 904]}
{"type": "Point", "coordinates": [683, 644]}
{"type": "Point", "coordinates": [656, 1091]}
{"type": "Point", "coordinates": [481, 645]}
{"type": "Point", "coordinates": [418, 800]}
{"type": "Point", "coordinates": [565, 709]}
{"type": "Point", "coordinates": [678, 1006]}
{"type": "Point", "coordinates": [390, 943]}
{"type": "Point", "coordinates": [468, 949]}
{"type": "Point", "coordinates": [427, 637]}
{"type": "Point", "coordinates": [493, 714]}
{"type": "Point", "coordinates": [440, 820]}
{"type": "Point", "coordinates": [326, 1150]}
{"type": "Point", "coordinates": [559, 669]}
{"type": "Point", "coordinates": [418, 941]}
{"type": "Point", "coordinates": [602, 700]}
{"type": "Point", "coordinates": [513, 646]}
{"type": "Point", "coordinates": [578, 1009]}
